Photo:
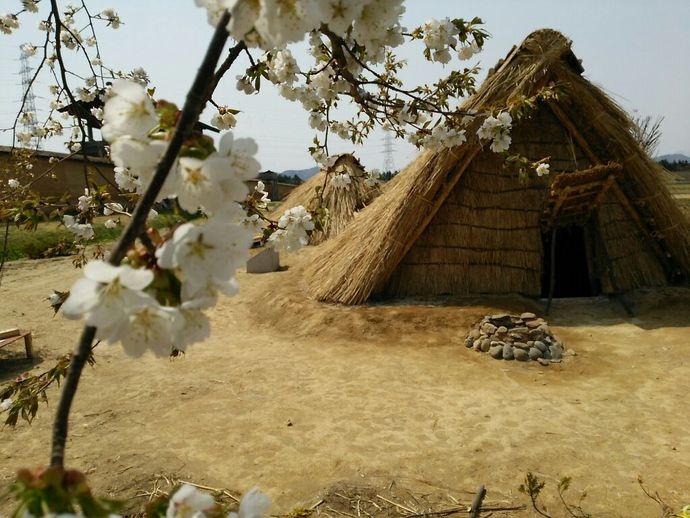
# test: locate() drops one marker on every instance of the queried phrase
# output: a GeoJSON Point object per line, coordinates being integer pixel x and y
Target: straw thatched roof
{"type": "Point", "coordinates": [457, 222]}
{"type": "Point", "coordinates": [342, 204]}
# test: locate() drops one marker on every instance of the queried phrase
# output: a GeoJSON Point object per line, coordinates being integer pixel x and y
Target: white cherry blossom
{"type": "Point", "coordinates": [206, 254]}
{"type": "Point", "coordinates": [139, 158]}
{"type": "Point", "coordinates": [243, 16]}
{"type": "Point", "coordinates": [254, 504]}
{"type": "Point", "coordinates": [341, 181]}
{"type": "Point", "coordinates": [542, 169]}
{"type": "Point", "coordinates": [148, 326]}
{"type": "Point", "coordinates": [283, 67]}
{"type": "Point", "coordinates": [260, 191]}
{"type": "Point", "coordinates": [283, 22]}
{"type": "Point", "coordinates": [8, 22]}
{"type": "Point", "coordinates": [105, 294]}
{"type": "Point", "coordinates": [243, 85]}
{"type": "Point", "coordinates": [188, 502]}
{"type": "Point", "coordinates": [198, 184]}
{"type": "Point", "coordinates": [190, 325]}
{"type": "Point", "coordinates": [125, 180]}
{"type": "Point", "coordinates": [5, 404]}
{"type": "Point", "coordinates": [224, 120]}
{"type": "Point", "coordinates": [498, 129]}
{"type": "Point", "coordinates": [30, 5]}
{"type": "Point", "coordinates": [339, 14]}
{"type": "Point", "coordinates": [84, 201]}
{"type": "Point", "coordinates": [128, 111]}
{"type": "Point", "coordinates": [112, 207]}
{"type": "Point", "coordinates": [81, 230]}
{"type": "Point", "coordinates": [252, 222]}
{"type": "Point", "coordinates": [294, 226]}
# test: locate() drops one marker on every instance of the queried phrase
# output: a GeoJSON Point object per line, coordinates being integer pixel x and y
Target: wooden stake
{"type": "Point", "coordinates": [477, 502]}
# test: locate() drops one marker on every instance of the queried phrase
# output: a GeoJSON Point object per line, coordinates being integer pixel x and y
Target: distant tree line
{"type": "Point", "coordinates": [271, 176]}
{"type": "Point", "coordinates": [388, 175]}
{"type": "Point", "coordinates": [679, 165]}
{"type": "Point", "coordinates": [292, 180]}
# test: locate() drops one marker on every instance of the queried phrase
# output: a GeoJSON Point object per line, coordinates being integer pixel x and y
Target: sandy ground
{"type": "Point", "coordinates": [296, 396]}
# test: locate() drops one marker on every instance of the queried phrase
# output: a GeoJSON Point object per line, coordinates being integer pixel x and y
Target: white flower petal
{"type": "Point", "coordinates": [100, 271]}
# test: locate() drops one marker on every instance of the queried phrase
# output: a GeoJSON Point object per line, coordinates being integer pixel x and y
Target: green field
{"type": "Point", "coordinates": [51, 239]}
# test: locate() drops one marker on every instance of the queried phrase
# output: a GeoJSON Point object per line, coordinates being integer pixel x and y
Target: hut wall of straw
{"type": "Point", "coordinates": [632, 262]}
{"type": "Point", "coordinates": [486, 238]}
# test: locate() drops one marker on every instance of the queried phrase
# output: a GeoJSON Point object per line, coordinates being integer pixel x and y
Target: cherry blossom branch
{"type": "Point", "coordinates": [194, 104]}
{"type": "Point", "coordinates": [224, 67]}
{"type": "Point", "coordinates": [63, 73]}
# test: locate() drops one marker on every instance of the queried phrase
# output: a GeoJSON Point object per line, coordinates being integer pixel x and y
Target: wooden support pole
{"type": "Point", "coordinates": [600, 197]}
{"type": "Point", "coordinates": [577, 136]}
{"type": "Point", "coordinates": [29, 345]}
{"type": "Point", "coordinates": [476, 507]}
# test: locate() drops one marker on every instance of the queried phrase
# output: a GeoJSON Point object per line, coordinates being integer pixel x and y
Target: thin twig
{"type": "Point", "coordinates": [396, 504]}
{"type": "Point", "coordinates": [340, 512]}
{"type": "Point", "coordinates": [214, 489]}
{"type": "Point", "coordinates": [317, 504]}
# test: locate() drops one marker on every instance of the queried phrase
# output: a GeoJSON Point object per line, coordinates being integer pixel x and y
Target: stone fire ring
{"type": "Point", "coordinates": [524, 337]}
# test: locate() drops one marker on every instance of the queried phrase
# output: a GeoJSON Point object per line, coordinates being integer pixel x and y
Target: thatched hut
{"type": "Point", "coordinates": [342, 203]}
{"type": "Point", "coordinates": [456, 222]}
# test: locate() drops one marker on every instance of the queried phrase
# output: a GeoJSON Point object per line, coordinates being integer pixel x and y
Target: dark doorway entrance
{"type": "Point", "coordinates": [572, 273]}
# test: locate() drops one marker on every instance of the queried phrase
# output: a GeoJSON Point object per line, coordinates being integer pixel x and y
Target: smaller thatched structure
{"type": "Point", "coordinates": [342, 203]}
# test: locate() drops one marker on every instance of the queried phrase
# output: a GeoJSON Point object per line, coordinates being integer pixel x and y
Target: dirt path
{"type": "Point", "coordinates": [294, 396]}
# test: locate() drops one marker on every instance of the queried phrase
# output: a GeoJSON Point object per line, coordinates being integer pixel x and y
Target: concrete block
{"type": "Point", "coordinates": [268, 260]}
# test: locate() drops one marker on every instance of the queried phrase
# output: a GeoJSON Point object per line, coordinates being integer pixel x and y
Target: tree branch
{"type": "Point", "coordinates": [194, 104]}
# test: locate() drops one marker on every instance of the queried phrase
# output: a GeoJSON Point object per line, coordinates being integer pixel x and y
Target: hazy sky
{"type": "Point", "coordinates": [637, 50]}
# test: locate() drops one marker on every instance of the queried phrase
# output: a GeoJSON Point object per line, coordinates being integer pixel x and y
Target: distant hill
{"type": "Point", "coordinates": [674, 157]}
{"type": "Point", "coordinates": [304, 174]}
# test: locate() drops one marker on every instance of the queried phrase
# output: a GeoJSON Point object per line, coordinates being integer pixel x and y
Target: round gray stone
{"type": "Point", "coordinates": [541, 346]}
{"type": "Point", "coordinates": [488, 329]}
{"type": "Point", "coordinates": [508, 352]}
{"type": "Point", "coordinates": [534, 353]}
{"type": "Point", "coordinates": [496, 352]}
{"type": "Point", "coordinates": [521, 355]}
{"type": "Point", "coordinates": [485, 345]}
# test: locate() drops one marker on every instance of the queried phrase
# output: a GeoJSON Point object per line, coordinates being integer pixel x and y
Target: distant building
{"type": "Point", "coordinates": [70, 172]}
{"type": "Point", "coordinates": [276, 188]}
